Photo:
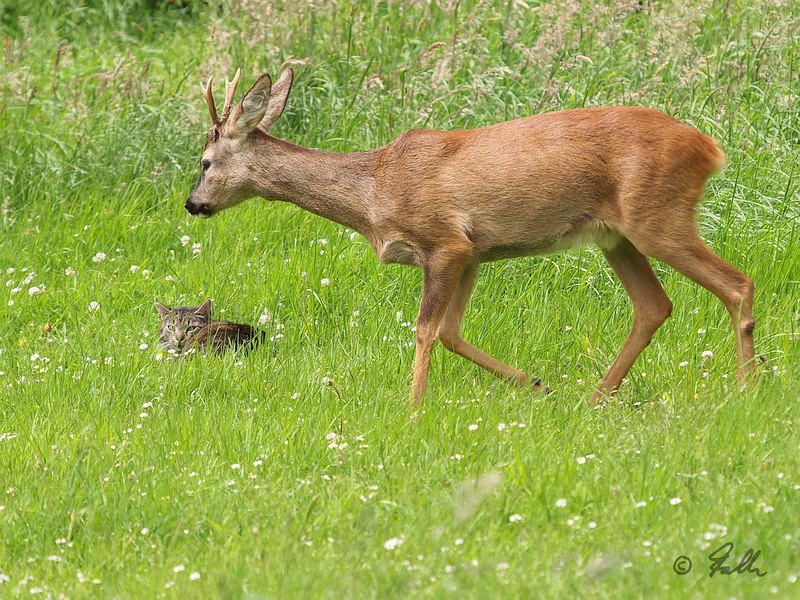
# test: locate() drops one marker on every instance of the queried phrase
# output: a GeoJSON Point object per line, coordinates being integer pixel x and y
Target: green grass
{"type": "Point", "coordinates": [117, 468]}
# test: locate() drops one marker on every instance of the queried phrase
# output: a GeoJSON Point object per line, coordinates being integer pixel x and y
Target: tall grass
{"type": "Point", "coordinates": [123, 475]}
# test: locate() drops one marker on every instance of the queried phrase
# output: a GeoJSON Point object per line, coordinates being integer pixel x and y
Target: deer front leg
{"type": "Point", "coordinates": [441, 273]}
{"type": "Point", "coordinates": [450, 334]}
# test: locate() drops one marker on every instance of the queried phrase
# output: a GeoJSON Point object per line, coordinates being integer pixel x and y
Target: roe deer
{"type": "Point", "coordinates": [626, 178]}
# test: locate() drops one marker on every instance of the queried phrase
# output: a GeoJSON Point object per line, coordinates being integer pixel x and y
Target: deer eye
{"type": "Point", "coordinates": [206, 164]}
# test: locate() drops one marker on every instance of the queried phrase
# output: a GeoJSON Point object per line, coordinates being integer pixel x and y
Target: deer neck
{"type": "Point", "coordinates": [337, 186]}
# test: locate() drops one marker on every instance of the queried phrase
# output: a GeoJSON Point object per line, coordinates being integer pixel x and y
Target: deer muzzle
{"type": "Point", "coordinates": [196, 209]}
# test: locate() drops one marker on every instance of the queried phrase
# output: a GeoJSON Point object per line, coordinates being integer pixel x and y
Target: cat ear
{"type": "Point", "coordinates": [163, 311]}
{"type": "Point", "coordinates": [204, 309]}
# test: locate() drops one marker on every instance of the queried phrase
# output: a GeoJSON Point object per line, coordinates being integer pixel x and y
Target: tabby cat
{"type": "Point", "coordinates": [187, 328]}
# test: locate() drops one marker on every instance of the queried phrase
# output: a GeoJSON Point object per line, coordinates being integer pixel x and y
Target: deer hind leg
{"type": "Point", "coordinates": [651, 308]}
{"type": "Point", "coordinates": [693, 258]}
{"type": "Point", "coordinates": [450, 336]}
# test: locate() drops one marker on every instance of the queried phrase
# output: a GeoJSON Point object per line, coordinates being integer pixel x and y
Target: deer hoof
{"type": "Point", "coordinates": [537, 386]}
{"type": "Point", "coordinates": [598, 399]}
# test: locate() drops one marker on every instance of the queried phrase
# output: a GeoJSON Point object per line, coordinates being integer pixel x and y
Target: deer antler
{"type": "Point", "coordinates": [208, 94]}
{"type": "Point", "coordinates": [230, 91]}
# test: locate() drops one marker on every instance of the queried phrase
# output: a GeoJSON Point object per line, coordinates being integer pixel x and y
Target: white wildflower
{"type": "Point", "coordinates": [99, 257]}
{"type": "Point", "coordinates": [336, 442]}
{"type": "Point", "coordinates": [93, 306]}
{"type": "Point", "coordinates": [393, 543]}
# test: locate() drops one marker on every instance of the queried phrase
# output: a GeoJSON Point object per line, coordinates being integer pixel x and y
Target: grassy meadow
{"type": "Point", "coordinates": [127, 475]}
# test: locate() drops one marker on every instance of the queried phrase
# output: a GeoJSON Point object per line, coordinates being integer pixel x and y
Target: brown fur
{"type": "Point", "coordinates": [224, 335]}
{"type": "Point", "coordinates": [626, 178]}
{"type": "Point", "coordinates": [190, 328]}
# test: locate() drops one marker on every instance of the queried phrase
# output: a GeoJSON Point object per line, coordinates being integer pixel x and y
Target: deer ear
{"type": "Point", "coordinates": [204, 309]}
{"type": "Point", "coordinates": [249, 112]}
{"type": "Point", "coordinates": [277, 98]}
{"type": "Point", "coordinates": [163, 311]}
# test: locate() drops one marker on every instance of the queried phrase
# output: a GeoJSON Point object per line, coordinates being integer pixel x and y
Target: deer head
{"type": "Point", "coordinates": [226, 176]}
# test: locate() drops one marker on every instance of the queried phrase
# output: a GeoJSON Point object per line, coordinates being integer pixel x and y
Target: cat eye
{"type": "Point", "coordinates": [205, 164]}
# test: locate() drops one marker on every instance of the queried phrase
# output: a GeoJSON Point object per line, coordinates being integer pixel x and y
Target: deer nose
{"type": "Point", "coordinates": [191, 207]}
{"type": "Point", "coordinates": [197, 209]}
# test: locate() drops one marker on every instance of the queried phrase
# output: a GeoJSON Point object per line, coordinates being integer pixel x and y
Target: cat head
{"type": "Point", "coordinates": [180, 324]}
